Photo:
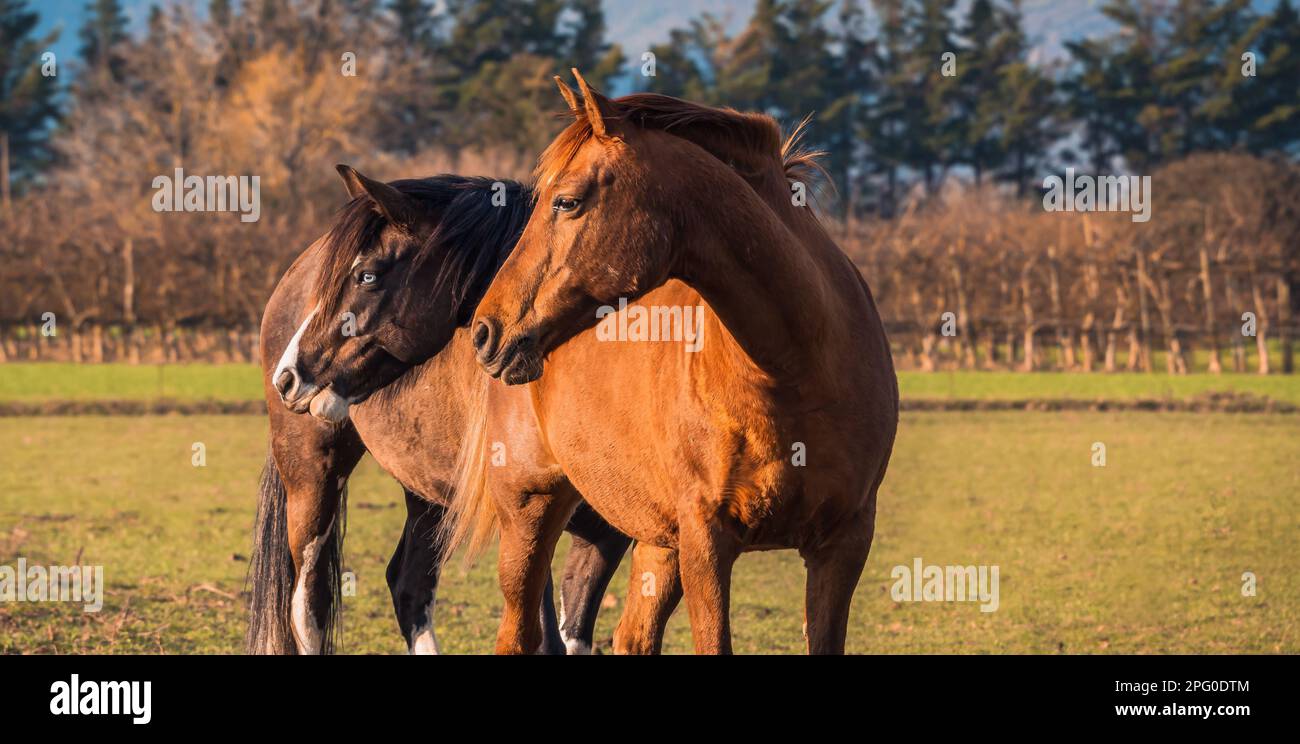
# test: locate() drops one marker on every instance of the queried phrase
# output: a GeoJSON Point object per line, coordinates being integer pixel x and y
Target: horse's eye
{"type": "Point", "coordinates": [565, 203]}
{"type": "Point", "coordinates": [368, 278]}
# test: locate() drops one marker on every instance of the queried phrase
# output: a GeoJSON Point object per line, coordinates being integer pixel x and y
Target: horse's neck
{"type": "Point", "coordinates": [772, 295]}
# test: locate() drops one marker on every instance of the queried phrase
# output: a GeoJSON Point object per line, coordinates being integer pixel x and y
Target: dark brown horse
{"type": "Point", "coordinates": [775, 433]}
{"type": "Point", "coordinates": [450, 237]}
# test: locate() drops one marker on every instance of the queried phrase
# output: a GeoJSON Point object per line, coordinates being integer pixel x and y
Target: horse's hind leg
{"type": "Point", "coordinates": [653, 591]}
{"type": "Point", "coordinates": [314, 474]}
{"type": "Point", "coordinates": [833, 572]}
{"type": "Point", "coordinates": [593, 558]}
{"type": "Point", "coordinates": [552, 642]}
{"type": "Point", "coordinates": [413, 574]}
{"type": "Point", "coordinates": [413, 581]}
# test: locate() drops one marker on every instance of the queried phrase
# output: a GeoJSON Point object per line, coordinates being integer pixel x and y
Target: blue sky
{"type": "Point", "coordinates": [69, 14]}
{"type": "Point", "coordinates": [635, 24]}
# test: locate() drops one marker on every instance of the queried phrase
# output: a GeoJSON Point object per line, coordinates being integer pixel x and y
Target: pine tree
{"type": "Point", "coordinates": [1008, 105]}
{"type": "Point", "coordinates": [978, 85]}
{"type": "Point", "coordinates": [936, 144]}
{"type": "Point", "coordinates": [28, 99]}
{"type": "Point", "coordinates": [801, 59]}
{"type": "Point", "coordinates": [678, 61]}
{"type": "Point", "coordinates": [1132, 103]}
{"type": "Point", "coordinates": [1168, 84]}
{"type": "Point", "coordinates": [415, 23]}
{"type": "Point", "coordinates": [743, 78]}
{"type": "Point", "coordinates": [1027, 103]}
{"type": "Point", "coordinates": [1194, 55]}
{"type": "Point", "coordinates": [843, 121]}
{"type": "Point", "coordinates": [1270, 101]}
{"type": "Point", "coordinates": [1111, 88]}
{"type": "Point", "coordinates": [104, 31]}
{"type": "Point", "coordinates": [586, 47]}
{"type": "Point", "coordinates": [896, 113]}
{"type": "Point", "coordinates": [1085, 87]}
{"type": "Point", "coordinates": [501, 55]}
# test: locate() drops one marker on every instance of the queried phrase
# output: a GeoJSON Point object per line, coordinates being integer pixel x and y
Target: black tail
{"type": "Point", "coordinates": [270, 573]}
{"type": "Point", "coordinates": [330, 566]}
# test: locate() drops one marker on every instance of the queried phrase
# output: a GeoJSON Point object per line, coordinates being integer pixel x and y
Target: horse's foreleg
{"type": "Point", "coordinates": [413, 574]}
{"type": "Point", "coordinates": [653, 592]}
{"type": "Point", "coordinates": [313, 514]}
{"type": "Point", "coordinates": [530, 526]}
{"type": "Point", "coordinates": [706, 554]}
{"type": "Point", "coordinates": [314, 493]}
{"type": "Point", "coordinates": [593, 558]}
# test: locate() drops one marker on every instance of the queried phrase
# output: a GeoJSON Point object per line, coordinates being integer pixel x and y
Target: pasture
{"type": "Point", "coordinates": [1145, 555]}
{"type": "Point", "coordinates": [42, 381]}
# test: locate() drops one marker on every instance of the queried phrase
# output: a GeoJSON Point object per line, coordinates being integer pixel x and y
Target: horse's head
{"type": "Point", "coordinates": [403, 267]}
{"type": "Point", "coordinates": [604, 229]}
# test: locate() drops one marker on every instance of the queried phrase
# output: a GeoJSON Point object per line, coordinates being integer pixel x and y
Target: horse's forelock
{"type": "Point", "coordinates": [557, 155]}
{"type": "Point", "coordinates": [356, 230]}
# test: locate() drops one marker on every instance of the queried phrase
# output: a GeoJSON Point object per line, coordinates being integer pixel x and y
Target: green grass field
{"type": "Point", "coordinates": [56, 381]}
{"type": "Point", "coordinates": [35, 381]}
{"type": "Point", "coordinates": [1145, 555]}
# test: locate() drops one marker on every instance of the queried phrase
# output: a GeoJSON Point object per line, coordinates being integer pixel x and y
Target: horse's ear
{"type": "Point", "coordinates": [570, 97]}
{"type": "Point", "coordinates": [397, 207]}
{"type": "Point", "coordinates": [599, 108]}
{"type": "Point", "coordinates": [351, 180]}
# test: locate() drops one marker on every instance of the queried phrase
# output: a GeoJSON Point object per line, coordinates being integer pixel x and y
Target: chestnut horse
{"type": "Point", "coordinates": [775, 434]}
{"type": "Point", "coordinates": [413, 428]}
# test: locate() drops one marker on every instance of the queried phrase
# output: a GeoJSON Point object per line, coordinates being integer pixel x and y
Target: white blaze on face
{"type": "Point", "coordinates": [289, 359]}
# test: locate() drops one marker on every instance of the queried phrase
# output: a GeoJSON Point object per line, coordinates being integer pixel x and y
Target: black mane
{"type": "Point", "coordinates": [472, 239]}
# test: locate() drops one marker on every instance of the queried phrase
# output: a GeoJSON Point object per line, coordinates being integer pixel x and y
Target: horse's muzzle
{"type": "Point", "coordinates": [514, 361]}
{"type": "Point", "coordinates": [294, 392]}
{"type": "Point", "coordinates": [286, 383]}
{"type": "Point", "coordinates": [486, 336]}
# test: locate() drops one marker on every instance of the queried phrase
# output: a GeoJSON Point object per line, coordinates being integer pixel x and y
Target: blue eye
{"type": "Point", "coordinates": [368, 277]}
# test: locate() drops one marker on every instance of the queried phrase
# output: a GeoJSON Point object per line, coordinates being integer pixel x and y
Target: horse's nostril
{"type": "Point", "coordinates": [286, 382]}
{"type": "Point", "coordinates": [483, 337]}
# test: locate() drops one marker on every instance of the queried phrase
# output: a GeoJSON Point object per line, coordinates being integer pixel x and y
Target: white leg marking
{"type": "Point", "coordinates": [307, 633]}
{"type": "Point", "coordinates": [575, 647]}
{"type": "Point", "coordinates": [423, 641]}
{"type": "Point", "coordinates": [572, 646]}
